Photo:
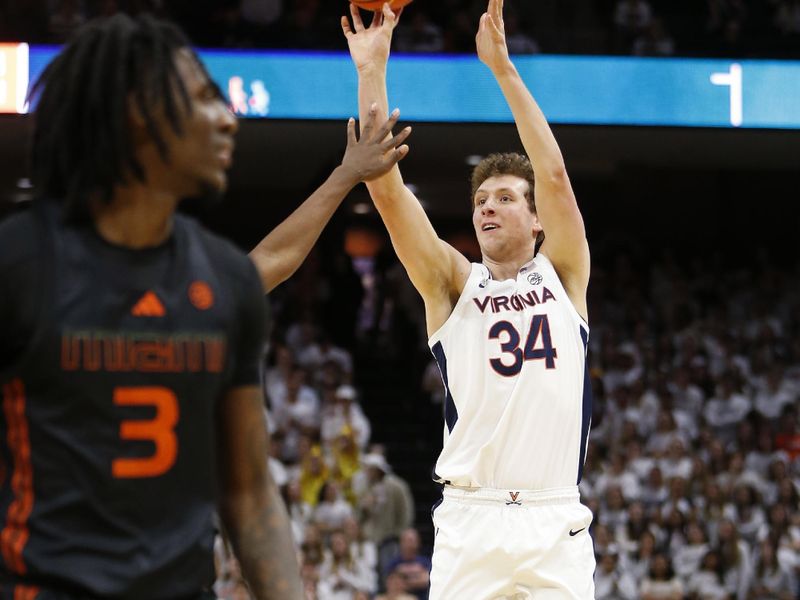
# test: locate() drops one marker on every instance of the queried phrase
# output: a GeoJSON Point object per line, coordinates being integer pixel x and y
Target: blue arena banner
{"type": "Point", "coordinates": [579, 90]}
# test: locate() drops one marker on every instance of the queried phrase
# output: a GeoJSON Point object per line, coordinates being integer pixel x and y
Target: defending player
{"type": "Point", "coordinates": [510, 338]}
{"type": "Point", "coordinates": [132, 337]}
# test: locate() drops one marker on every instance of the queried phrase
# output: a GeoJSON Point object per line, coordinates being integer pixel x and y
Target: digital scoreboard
{"type": "Point", "coordinates": [579, 90]}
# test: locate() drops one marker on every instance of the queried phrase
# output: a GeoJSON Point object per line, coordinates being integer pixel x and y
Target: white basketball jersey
{"type": "Point", "coordinates": [518, 398]}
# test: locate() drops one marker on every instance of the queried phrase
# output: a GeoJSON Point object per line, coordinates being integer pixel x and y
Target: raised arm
{"type": "Point", "coordinates": [437, 270]}
{"type": "Point", "coordinates": [282, 252]}
{"type": "Point", "coordinates": [565, 236]}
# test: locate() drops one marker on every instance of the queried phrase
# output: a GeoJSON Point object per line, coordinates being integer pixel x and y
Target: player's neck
{"type": "Point", "coordinates": [137, 217]}
{"type": "Point", "coordinates": [507, 267]}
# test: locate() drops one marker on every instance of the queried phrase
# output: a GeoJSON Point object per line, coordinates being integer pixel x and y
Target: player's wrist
{"type": "Point", "coordinates": [346, 176]}
{"type": "Point", "coordinates": [504, 68]}
{"type": "Point", "coordinates": [373, 68]}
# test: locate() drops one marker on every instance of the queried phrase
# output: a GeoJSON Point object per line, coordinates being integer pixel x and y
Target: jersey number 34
{"type": "Point", "coordinates": [538, 335]}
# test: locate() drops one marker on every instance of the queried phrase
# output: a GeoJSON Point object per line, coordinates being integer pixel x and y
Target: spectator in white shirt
{"type": "Point", "coordinates": [654, 491]}
{"type": "Point", "coordinates": [628, 533]}
{"type": "Point", "coordinates": [638, 563]}
{"type": "Point", "coordinates": [706, 584]}
{"type": "Point", "coordinates": [615, 512]}
{"type": "Point", "coordinates": [360, 547]}
{"type": "Point", "coordinates": [758, 460]}
{"type": "Point", "coordinates": [296, 413]}
{"type": "Point", "coordinates": [341, 576]}
{"type": "Point", "coordinates": [610, 581]}
{"type": "Point", "coordinates": [332, 511]}
{"type": "Point", "coordinates": [341, 410]}
{"type": "Point", "coordinates": [676, 463]}
{"type": "Point", "coordinates": [736, 560]}
{"type": "Point", "coordinates": [687, 396]}
{"type": "Point", "coordinates": [666, 431]}
{"type": "Point", "coordinates": [638, 462]}
{"type": "Point", "coordinates": [661, 583]}
{"type": "Point", "coordinates": [745, 511]}
{"type": "Point", "coordinates": [771, 581]}
{"type": "Point", "coordinates": [300, 513]}
{"type": "Point", "coordinates": [687, 560]}
{"type": "Point", "coordinates": [724, 411]}
{"type": "Point", "coordinates": [617, 475]}
{"type": "Point", "coordinates": [773, 394]}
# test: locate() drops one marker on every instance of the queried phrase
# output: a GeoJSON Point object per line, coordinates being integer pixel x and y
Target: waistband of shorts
{"type": "Point", "coordinates": [564, 495]}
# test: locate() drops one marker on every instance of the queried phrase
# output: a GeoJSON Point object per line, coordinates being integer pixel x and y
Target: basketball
{"type": "Point", "coordinates": [374, 5]}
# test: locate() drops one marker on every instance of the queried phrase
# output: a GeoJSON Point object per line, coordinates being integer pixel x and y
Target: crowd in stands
{"type": "Point", "coordinates": [725, 28]}
{"type": "Point", "coordinates": [352, 518]}
{"type": "Point", "coordinates": [693, 465]}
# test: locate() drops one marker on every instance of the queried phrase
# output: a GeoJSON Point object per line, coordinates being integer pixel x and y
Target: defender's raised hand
{"type": "Point", "coordinates": [491, 38]}
{"type": "Point", "coordinates": [369, 46]}
{"type": "Point", "coordinates": [374, 155]}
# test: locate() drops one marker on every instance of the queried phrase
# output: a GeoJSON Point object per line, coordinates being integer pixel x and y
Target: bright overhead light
{"type": "Point", "coordinates": [474, 159]}
{"type": "Point", "coordinates": [413, 188]}
{"type": "Point", "coordinates": [362, 208]}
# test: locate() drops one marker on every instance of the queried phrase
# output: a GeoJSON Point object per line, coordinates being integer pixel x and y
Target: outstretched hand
{"type": "Point", "coordinates": [491, 38]}
{"type": "Point", "coordinates": [374, 155]}
{"type": "Point", "coordinates": [370, 45]}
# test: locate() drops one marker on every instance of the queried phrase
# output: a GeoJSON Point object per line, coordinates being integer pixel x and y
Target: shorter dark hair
{"type": "Point", "coordinates": [507, 163]}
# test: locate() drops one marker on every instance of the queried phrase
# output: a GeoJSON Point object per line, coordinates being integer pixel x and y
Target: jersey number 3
{"type": "Point", "coordinates": [159, 430]}
{"type": "Point", "coordinates": [538, 333]}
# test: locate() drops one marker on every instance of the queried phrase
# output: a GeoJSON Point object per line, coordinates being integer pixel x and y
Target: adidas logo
{"type": "Point", "coordinates": [148, 306]}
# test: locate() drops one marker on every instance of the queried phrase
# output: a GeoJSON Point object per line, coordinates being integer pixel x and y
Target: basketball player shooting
{"type": "Point", "coordinates": [133, 337]}
{"type": "Point", "coordinates": [510, 337]}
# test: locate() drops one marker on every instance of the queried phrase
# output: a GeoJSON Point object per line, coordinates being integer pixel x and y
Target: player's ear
{"type": "Point", "coordinates": [537, 225]}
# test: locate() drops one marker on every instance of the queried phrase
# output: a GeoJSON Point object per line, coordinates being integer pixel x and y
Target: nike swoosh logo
{"type": "Point", "coordinates": [574, 533]}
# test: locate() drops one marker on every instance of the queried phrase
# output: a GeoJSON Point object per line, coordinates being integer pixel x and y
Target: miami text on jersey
{"type": "Point", "coordinates": [145, 353]}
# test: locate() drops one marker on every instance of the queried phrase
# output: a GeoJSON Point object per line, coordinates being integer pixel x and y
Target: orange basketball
{"type": "Point", "coordinates": [377, 4]}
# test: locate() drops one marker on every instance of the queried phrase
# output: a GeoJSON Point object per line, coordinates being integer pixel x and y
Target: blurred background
{"type": "Point", "coordinates": [693, 467]}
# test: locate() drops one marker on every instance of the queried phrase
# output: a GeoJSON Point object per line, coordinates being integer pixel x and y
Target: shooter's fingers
{"type": "Point", "coordinates": [348, 32]}
{"type": "Point", "coordinates": [358, 24]}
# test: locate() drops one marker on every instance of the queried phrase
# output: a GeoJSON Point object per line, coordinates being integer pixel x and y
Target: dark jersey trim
{"type": "Point", "coordinates": [586, 421]}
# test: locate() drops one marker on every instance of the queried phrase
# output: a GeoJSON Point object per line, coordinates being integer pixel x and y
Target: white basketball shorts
{"type": "Point", "coordinates": [512, 544]}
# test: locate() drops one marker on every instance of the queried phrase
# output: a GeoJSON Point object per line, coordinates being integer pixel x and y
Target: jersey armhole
{"type": "Point", "coordinates": [437, 335]}
{"type": "Point", "coordinates": [584, 322]}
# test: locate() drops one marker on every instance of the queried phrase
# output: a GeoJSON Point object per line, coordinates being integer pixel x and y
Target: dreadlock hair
{"type": "Point", "coordinates": [82, 142]}
{"type": "Point", "coordinates": [507, 163]}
